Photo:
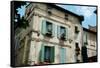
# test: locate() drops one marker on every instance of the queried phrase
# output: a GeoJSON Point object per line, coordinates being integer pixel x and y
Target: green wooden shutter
{"type": "Point", "coordinates": [53, 30]}
{"type": "Point", "coordinates": [52, 57]}
{"type": "Point", "coordinates": [42, 53]}
{"type": "Point", "coordinates": [66, 33]}
{"type": "Point", "coordinates": [58, 31]}
{"type": "Point", "coordinates": [43, 29]}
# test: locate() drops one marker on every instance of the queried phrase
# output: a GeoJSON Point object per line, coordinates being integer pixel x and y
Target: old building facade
{"type": "Point", "coordinates": [54, 36]}
{"type": "Point", "coordinates": [90, 41]}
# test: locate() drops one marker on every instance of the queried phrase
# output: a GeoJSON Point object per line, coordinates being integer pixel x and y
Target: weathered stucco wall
{"type": "Point", "coordinates": [37, 15]}
{"type": "Point", "coordinates": [56, 18]}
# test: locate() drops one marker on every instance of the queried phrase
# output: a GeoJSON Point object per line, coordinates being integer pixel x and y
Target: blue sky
{"type": "Point", "coordinates": [86, 11]}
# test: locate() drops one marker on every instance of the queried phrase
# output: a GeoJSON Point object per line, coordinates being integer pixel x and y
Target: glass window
{"type": "Point", "coordinates": [48, 54]}
{"type": "Point", "coordinates": [49, 27]}
{"type": "Point", "coordinates": [62, 32]}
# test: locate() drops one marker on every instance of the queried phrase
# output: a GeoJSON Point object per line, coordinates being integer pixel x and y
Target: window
{"type": "Point", "coordinates": [62, 32]}
{"type": "Point", "coordinates": [85, 39]}
{"type": "Point", "coordinates": [77, 51]}
{"type": "Point", "coordinates": [48, 29]}
{"type": "Point", "coordinates": [76, 29]}
{"type": "Point", "coordinates": [47, 54]}
{"type": "Point", "coordinates": [77, 48]}
{"type": "Point", "coordinates": [76, 45]}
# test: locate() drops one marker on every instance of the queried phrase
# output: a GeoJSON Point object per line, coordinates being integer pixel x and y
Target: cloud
{"type": "Point", "coordinates": [87, 11]}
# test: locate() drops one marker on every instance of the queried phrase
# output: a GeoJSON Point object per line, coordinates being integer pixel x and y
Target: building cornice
{"type": "Point", "coordinates": [46, 41]}
{"type": "Point", "coordinates": [81, 18]}
{"type": "Point", "coordinates": [88, 30]}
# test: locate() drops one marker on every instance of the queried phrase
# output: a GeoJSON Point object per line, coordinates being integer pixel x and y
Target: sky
{"type": "Point", "coordinates": [86, 11]}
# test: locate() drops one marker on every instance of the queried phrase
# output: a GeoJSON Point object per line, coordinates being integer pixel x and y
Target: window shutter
{"type": "Point", "coordinates": [58, 31]}
{"type": "Point", "coordinates": [52, 54]}
{"type": "Point", "coordinates": [42, 53]}
{"type": "Point", "coordinates": [62, 55]}
{"type": "Point", "coordinates": [44, 29]}
{"type": "Point", "coordinates": [53, 30]}
{"type": "Point", "coordinates": [66, 33]}
{"type": "Point", "coordinates": [86, 37]}
{"type": "Point", "coordinates": [17, 43]}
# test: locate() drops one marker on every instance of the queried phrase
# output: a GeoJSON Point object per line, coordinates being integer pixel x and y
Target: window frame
{"type": "Point", "coordinates": [64, 37]}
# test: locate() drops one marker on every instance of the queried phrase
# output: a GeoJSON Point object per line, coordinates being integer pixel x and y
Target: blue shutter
{"type": "Point", "coordinates": [62, 55]}
{"type": "Point", "coordinates": [53, 30]}
{"type": "Point", "coordinates": [41, 57]}
{"type": "Point", "coordinates": [58, 31]}
{"type": "Point", "coordinates": [66, 33]}
{"type": "Point", "coordinates": [43, 29]}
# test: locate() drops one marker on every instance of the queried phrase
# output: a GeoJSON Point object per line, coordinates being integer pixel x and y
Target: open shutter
{"type": "Point", "coordinates": [58, 31]}
{"type": "Point", "coordinates": [86, 38]}
{"type": "Point", "coordinates": [53, 30]}
{"type": "Point", "coordinates": [17, 43]}
{"type": "Point", "coordinates": [43, 29]}
{"type": "Point", "coordinates": [42, 53]}
{"type": "Point", "coordinates": [66, 33]}
{"type": "Point", "coordinates": [52, 57]}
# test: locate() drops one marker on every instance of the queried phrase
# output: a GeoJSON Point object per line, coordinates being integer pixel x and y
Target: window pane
{"type": "Point", "coordinates": [47, 53]}
{"type": "Point", "coordinates": [49, 26]}
{"type": "Point", "coordinates": [63, 30]}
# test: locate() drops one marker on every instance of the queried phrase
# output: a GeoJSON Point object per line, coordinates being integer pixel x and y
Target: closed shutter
{"type": "Point", "coordinates": [58, 31]}
{"type": "Point", "coordinates": [43, 29]}
{"type": "Point", "coordinates": [42, 53]}
{"type": "Point", "coordinates": [62, 55]}
{"type": "Point", "coordinates": [52, 54]}
{"type": "Point", "coordinates": [53, 30]}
